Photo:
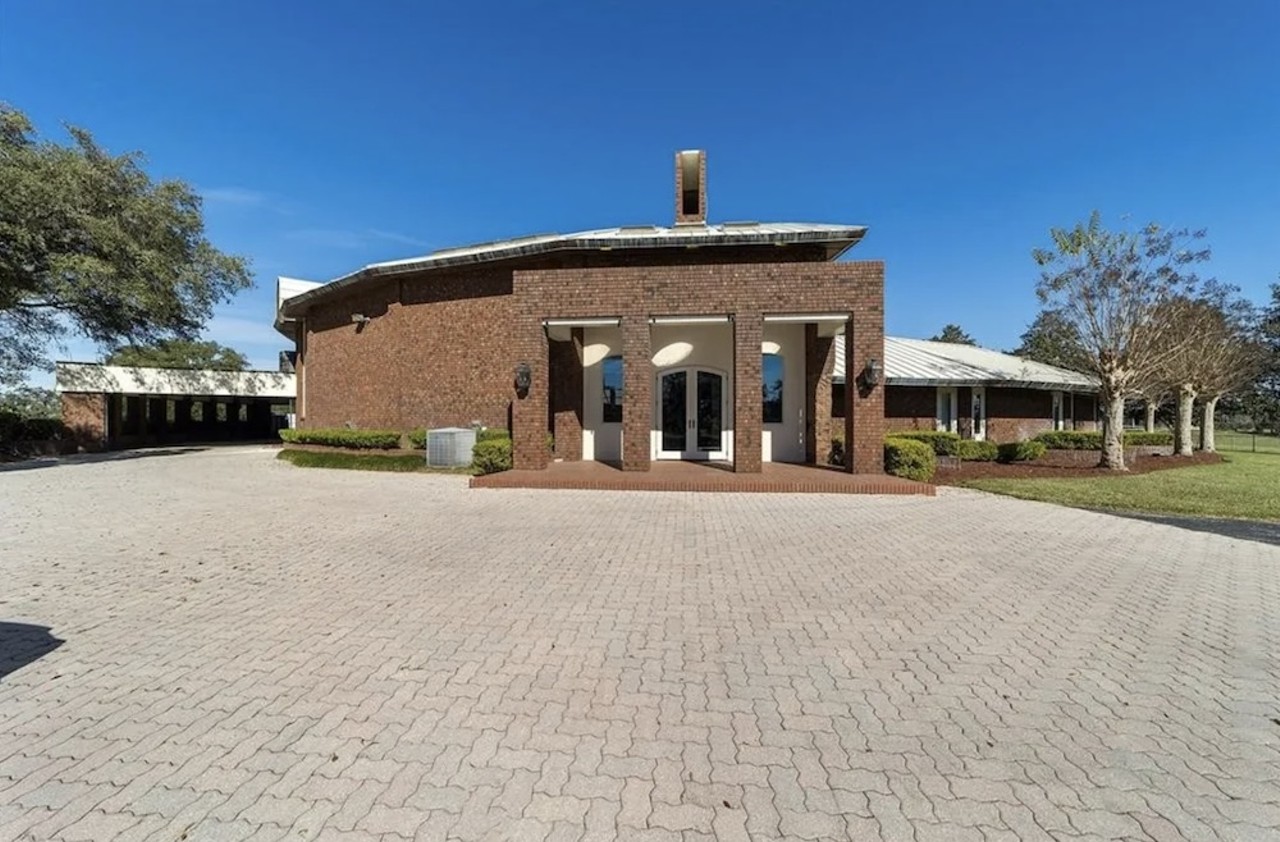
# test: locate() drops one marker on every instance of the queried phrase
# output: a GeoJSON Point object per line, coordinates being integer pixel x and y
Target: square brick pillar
{"type": "Point", "coordinates": [566, 397]}
{"type": "Point", "coordinates": [748, 407]}
{"type": "Point", "coordinates": [864, 425]}
{"type": "Point", "coordinates": [819, 362]}
{"type": "Point", "coordinates": [964, 412]}
{"type": "Point", "coordinates": [637, 392]}
{"type": "Point", "coordinates": [529, 450]}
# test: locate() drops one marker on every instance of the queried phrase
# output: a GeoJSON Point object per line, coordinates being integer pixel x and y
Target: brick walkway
{"type": "Point", "coordinates": [775, 478]}
{"type": "Point", "coordinates": [240, 649]}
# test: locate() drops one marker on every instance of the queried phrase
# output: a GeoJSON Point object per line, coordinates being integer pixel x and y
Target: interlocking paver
{"type": "Point", "coordinates": [251, 651]}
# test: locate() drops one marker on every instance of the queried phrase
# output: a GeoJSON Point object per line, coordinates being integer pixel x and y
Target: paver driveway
{"type": "Point", "coordinates": [251, 650]}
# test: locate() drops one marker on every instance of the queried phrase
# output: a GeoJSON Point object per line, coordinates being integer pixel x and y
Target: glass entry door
{"type": "Point", "coordinates": [691, 414]}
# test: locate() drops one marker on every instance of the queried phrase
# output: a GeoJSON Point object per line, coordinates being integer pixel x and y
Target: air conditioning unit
{"type": "Point", "coordinates": [450, 447]}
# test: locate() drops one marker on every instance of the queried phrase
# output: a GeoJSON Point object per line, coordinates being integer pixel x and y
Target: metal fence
{"type": "Point", "coordinates": [1232, 441]}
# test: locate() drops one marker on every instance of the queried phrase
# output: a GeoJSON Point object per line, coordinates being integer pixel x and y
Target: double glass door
{"type": "Point", "coordinates": [691, 414]}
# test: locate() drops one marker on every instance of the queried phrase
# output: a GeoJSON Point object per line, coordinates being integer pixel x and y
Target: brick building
{"type": "Point", "coordinates": [627, 345]}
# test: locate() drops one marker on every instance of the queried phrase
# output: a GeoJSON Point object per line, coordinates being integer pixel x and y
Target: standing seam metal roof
{"type": "Point", "coordinates": [625, 237]}
{"type": "Point", "coordinates": [920, 362]}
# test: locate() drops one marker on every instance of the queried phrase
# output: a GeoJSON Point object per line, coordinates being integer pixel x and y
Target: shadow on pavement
{"type": "Point", "coordinates": [22, 643]}
{"type": "Point", "coordinates": [1262, 531]}
{"type": "Point", "coordinates": [94, 458]}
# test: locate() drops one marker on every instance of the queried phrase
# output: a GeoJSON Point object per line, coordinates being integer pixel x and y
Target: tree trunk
{"type": "Point", "coordinates": [1151, 416]}
{"type": "Point", "coordinates": [1207, 443]}
{"type": "Point", "coordinates": [1112, 430]}
{"type": "Point", "coordinates": [1186, 406]}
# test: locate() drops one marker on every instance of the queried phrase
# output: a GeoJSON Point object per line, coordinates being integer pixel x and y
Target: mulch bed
{"type": "Point", "coordinates": [959, 474]}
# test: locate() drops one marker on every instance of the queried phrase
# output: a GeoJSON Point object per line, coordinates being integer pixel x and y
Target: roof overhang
{"type": "Point", "coordinates": [172, 382]}
{"type": "Point", "coordinates": [836, 239]}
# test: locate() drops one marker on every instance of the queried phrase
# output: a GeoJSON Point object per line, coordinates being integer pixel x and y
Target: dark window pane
{"type": "Point", "coordinates": [612, 390]}
{"type": "Point", "coordinates": [771, 384]}
{"type": "Point", "coordinates": [675, 396]}
{"type": "Point", "coordinates": [710, 410]}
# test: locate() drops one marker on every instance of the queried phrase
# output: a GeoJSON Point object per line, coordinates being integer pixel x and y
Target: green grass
{"type": "Point", "coordinates": [1230, 440]}
{"type": "Point", "coordinates": [408, 463]}
{"type": "Point", "coordinates": [1247, 485]}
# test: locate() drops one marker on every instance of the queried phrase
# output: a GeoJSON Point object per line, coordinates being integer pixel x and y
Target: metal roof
{"type": "Point", "coordinates": [837, 238]}
{"type": "Point", "coordinates": [130, 380]}
{"type": "Point", "coordinates": [920, 362]}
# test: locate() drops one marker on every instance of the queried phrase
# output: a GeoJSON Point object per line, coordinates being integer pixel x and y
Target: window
{"type": "Point", "coordinates": [771, 369]}
{"type": "Point", "coordinates": [979, 413]}
{"type": "Point", "coordinates": [946, 410]}
{"type": "Point", "coordinates": [612, 370]}
{"type": "Point", "coordinates": [1058, 422]}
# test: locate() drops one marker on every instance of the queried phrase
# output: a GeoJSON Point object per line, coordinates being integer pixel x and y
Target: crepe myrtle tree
{"type": "Point", "coordinates": [90, 244]}
{"type": "Point", "coordinates": [1231, 355]}
{"type": "Point", "coordinates": [1112, 287]}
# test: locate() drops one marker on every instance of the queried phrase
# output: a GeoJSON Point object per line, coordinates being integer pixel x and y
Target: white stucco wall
{"type": "Point", "coordinates": [785, 442]}
{"type": "Point", "coordinates": [707, 346]}
{"type": "Point", "coordinates": [600, 441]}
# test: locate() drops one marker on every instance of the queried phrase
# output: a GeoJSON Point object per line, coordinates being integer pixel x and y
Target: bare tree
{"type": "Point", "coordinates": [1113, 287]}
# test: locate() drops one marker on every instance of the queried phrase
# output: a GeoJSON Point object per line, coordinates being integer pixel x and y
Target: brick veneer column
{"type": "Point", "coordinates": [566, 396]}
{"type": "Point", "coordinates": [819, 360]}
{"type": "Point", "coordinates": [529, 413]}
{"type": "Point", "coordinates": [748, 409]}
{"type": "Point", "coordinates": [637, 392]}
{"type": "Point", "coordinates": [864, 408]}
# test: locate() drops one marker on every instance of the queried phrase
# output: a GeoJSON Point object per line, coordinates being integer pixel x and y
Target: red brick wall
{"type": "Point", "coordinates": [747, 291]}
{"type": "Point", "coordinates": [438, 350]}
{"type": "Point", "coordinates": [910, 408]}
{"type": "Point", "coordinates": [84, 414]}
{"type": "Point", "coordinates": [1018, 414]}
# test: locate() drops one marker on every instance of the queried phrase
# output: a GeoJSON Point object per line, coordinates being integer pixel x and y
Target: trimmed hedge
{"type": "Point", "coordinates": [943, 442]}
{"type": "Point", "coordinates": [15, 428]}
{"type": "Point", "coordinates": [1021, 451]}
{"type": "Point", "coordinates": [1139, 438]}
{"type": "Point", "coordinates": [909, 459]}
{"type": "Point", "coordinates": [491, 456]}
{"type": "Point", "coordinates": [1080, 440]}
{"type": "Point", "coordinates": [1070, 440]}
{"type": "Point", "coordinates": [970, 450]}
{"type": "Point", "coordinates": [492, 434]}
{"type": "Point", "coordinates": [342, 437]}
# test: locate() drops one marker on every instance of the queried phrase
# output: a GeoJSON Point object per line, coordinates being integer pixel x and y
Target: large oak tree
{"type": "Point", "coordinates": [90, 244]}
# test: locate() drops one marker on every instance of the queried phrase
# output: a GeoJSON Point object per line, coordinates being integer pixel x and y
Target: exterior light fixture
{"type": "Point", "coordinates": [524, 379]}
{"type": "Point", "coordinates": [871, 372]}
{"type": "Point", "coordinates": [360, 318]}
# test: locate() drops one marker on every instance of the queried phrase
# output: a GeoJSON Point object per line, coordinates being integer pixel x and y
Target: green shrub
{"type": "Point", "coordinates": [835, 456]}
{"type": "Point", "coordinates": [15, 428]}
{"type": "Point", "coordinates": [417, 438]}
{"type": "Point", "coordinates": [1021, 451]}
{"type": "Point", "coordinates": [492, 434]}
{"type": "Point", "coordinates": [1070, 440]}
{"type": "Point", "coordinates": [944, 443]}
{"type": "Point", "coordinates": [971, 450]}
{"type": "Point", "coordinates": [491, 456]}
{"type": "Point", "coordinates": [41, 429]}
{"type": "Point", "coordinates": [342, 437]}
{"type": "Point", "coordinates": [1139, 438]}
{"type": "Point", "coordinates": [910, 459]}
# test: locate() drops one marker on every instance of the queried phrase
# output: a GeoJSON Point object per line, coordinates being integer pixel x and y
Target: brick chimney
{"type": "Point", "coordinates": [691, 187]}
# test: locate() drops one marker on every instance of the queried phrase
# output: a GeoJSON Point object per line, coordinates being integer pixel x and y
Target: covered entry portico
{"type": "Point", "coordinates": [676, 371]}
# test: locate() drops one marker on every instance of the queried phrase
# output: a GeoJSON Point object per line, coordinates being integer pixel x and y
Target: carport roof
{"type": "Point", "coordinates": [920, 362]}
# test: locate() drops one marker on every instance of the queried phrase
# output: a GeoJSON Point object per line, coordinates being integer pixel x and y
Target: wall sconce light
{"type": "Point", "coordinates": [871, 372]}
{"type": "Point", "coordinates": [524, 379]}
{"type": "Point", "coordinates": [360, 318]}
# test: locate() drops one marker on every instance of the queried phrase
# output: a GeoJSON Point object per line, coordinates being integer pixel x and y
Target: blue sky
{"type": "Point", "coordinates": [326, 135]}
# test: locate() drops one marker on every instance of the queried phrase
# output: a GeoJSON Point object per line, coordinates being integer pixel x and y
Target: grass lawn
{"type": "Point", "coordinates": [1247, 485]}
{"type": "Point", "coordinates": [1229, 440]}
{"type": "Point", "coordinates": [407, 463]}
